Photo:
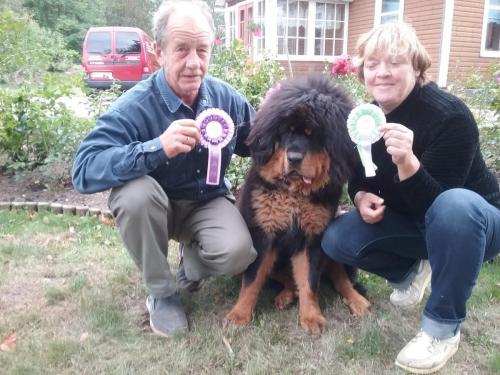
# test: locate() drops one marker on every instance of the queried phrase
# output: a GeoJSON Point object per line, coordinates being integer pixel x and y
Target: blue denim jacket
{"type": "Point", "coordinates": [125, 143]}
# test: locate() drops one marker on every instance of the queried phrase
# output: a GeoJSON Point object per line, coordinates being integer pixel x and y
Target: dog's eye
{"type": "Point", "coordinates": [308, 131]}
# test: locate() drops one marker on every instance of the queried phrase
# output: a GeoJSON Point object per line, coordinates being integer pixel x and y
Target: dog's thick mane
{"type": "Point", "coordinates": [321, 104]}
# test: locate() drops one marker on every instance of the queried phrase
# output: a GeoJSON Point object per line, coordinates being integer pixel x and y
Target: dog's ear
{"type": "Point", "coordinates": [264, 134]}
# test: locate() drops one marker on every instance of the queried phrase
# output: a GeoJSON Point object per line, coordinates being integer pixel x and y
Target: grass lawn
{"type": "Point", "coordinates": [75, 301]}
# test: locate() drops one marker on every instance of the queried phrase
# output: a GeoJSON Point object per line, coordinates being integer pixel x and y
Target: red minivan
{"type": "Point", "coordinates": [125, 55]}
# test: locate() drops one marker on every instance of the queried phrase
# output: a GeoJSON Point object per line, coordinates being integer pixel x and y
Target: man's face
{"type": "Point", "coordinates": [187, 54]}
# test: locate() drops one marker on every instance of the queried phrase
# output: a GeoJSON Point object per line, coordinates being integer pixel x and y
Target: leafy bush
{"type": "Point", "coordinates": [37, 127]}
{"type": "Point", "coordinates": [237, 171]}
{"type": "Point", "coordinates": [252, 78]}
{"type": "Point", "coordinates": [481, 92]}
{"type": "Point", "coordinates": [28, 50]}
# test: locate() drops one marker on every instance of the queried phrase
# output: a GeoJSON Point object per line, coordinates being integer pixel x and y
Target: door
{"type": "Point", "coordinates": [245, 20]}
{"type": "Point", "coordinates": [127, 58]}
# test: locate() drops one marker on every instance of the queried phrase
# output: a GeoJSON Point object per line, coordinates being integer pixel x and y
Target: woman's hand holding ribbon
{"type": "Point", "coordinates": [370, 206]}
{"type": "Point", "coordinates": [398, 142]}
{"type": "Point", "coordinates": [180, 137]}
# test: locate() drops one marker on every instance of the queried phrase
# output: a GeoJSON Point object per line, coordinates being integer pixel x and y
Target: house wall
{"type": "Point", "coordinates": [466, 40]}
{"type": "Point", "coordinates": [361, 20]}
{"type": "Point", "coordinates": [428, 23]}
{"type": "Point", "coordinates": [301, 68]}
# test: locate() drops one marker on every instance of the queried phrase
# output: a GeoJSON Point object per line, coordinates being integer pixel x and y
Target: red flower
{"type": "Point", "coordinates": [343, 65]}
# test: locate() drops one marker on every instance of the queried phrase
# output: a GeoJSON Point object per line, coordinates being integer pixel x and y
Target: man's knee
{"type": "Point", "coordinates": [236, 256]}
{"type": "Point", "coordinates": [136, 196]}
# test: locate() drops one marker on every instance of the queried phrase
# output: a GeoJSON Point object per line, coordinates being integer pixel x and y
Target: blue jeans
{"type": "Point", "coordinates": [461, 231]}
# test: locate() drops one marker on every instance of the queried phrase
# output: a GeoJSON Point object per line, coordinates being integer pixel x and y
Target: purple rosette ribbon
{"type": "Point", "coordinates": [217, 130]}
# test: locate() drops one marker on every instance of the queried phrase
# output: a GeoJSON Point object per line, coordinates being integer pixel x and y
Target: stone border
{"type": "Point", "coordinates": [58, 208]}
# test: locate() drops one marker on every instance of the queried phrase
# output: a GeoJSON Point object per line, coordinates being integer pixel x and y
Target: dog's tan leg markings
{"type": "Point", "coordinates": [241, 313]}
{"type": "Point", "coordinates": [286, 296]}
{"type": "Point", "coordinates": [358, 304]}
{"type": "Point", "coordinates": [311, 318]}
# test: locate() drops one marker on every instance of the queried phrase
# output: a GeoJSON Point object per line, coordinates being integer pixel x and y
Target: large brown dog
{"type": "Point", "coordinates": [301, 158]}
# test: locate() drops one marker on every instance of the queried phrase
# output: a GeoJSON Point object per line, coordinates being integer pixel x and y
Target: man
{"type": "Point", "coordinates": [147, 149]}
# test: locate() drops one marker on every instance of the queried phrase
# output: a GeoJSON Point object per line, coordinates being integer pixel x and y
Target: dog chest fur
{"type": "Point", "coordinates": [276, 210]}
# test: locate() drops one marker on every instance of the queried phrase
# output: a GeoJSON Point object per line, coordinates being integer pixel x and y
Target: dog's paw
{"type": "Point", "coordinates": [359, 306]}
{"type": "Point", "coordinates": [313, 323]}
{"type": "Point", "coordinates": [237, 317]}
{"type": "Point", "coordinates": [284, 299]}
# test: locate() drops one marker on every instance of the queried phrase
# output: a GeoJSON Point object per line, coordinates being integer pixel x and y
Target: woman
{"type": "Point", "coordinates": [432, 197]}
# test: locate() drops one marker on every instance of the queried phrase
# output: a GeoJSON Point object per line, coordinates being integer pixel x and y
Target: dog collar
{"type": "Point", "coordinates": [216, 129]}
{"type": "Point", "coordinates": [364, 124]}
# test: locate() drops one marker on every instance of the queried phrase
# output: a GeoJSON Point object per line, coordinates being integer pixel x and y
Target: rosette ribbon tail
{"type": "Point", "coordinates": [365, 154]}
{"type": "Point", "coordinates": [214, 165]}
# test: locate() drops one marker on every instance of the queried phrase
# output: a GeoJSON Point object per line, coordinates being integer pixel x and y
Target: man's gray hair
{"type": "Point", "coordinates": [167, 8]}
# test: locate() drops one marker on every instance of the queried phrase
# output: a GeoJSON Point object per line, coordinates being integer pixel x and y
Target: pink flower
{"type": "Point", "coordinates": [218, 42]}
{"type": "Point", "coordinates": [257, 33]}
{"type": "Point", "coordinates": [343, 65]}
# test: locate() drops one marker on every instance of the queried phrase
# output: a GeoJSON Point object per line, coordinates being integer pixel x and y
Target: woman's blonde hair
{"type": "Point", "coordinates": [394, 38]}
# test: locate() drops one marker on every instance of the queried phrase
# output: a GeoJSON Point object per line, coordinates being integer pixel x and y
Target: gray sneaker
{"type": "Point", "coordinates": [166, 315]}
{"type": "Point", "coordinates": [411, 296]}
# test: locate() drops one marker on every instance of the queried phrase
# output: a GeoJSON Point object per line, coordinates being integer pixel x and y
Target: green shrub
{"type": "Point", "coordinates": [237, 171]}
{"type": "Point", "coordinates": [37, 127]}
{"type": "Point", "coordinates": [252, 78]}
{"type": "Point", "coordinates": [481, 92]}
{"type": "Point", "coordinates": [27, 50]}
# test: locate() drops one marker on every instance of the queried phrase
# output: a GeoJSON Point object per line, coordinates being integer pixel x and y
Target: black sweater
{"type": "Point", "coordinates": [446, 141]}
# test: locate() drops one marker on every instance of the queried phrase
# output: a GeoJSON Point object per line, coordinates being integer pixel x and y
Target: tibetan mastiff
{"type": "Point", "coordinates": [301, 158]}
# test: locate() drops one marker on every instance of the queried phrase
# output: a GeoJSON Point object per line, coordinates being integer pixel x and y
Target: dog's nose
{"type": "Point", "coordinates": [294, 157]}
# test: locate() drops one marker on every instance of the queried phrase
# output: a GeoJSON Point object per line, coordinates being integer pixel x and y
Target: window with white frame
{"type": "Point", "coordinates": [259, 32]}
{"type": "Point", "coordinates": [388, 11]}
{"type": "Point", "coordinates": [232, 25]}
{"type": "Point", "coordinates": [292, 27]}
{"type": "Point", "coordinates": [491, 29]}
{"type": "Point", "coordinates": [329, 29]}
{"type": "Point", "coordinates": [310, 28]}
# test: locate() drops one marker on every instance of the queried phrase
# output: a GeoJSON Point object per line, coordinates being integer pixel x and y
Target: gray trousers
{"type": "Point", "coordinates": [216, 238]}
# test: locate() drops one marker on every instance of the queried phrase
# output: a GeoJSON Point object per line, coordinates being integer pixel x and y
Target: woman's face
{"type": "Point", "coordinates": [389, 79]}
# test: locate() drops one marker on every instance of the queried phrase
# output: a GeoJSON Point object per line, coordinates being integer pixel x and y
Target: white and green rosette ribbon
{"type": "Point", "coordinates": [217, 130]}
{"type": "Point", "coordinates": [364, 124]}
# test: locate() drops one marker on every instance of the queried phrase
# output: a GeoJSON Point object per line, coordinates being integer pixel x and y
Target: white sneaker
{"type": "Point", "coordinates": [426, 354]}
{"type": "Point", "coordinates": [412, 295]}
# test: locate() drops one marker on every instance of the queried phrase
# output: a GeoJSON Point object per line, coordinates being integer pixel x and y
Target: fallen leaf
{"type": "Point", "coordinates": [9, 343]}
{"type": "Point", "coordinates": [84, 336]}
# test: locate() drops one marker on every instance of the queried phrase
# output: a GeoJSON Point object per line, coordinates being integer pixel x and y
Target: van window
{"type": "Point", "coordinates": [127, 42]}
{"type": "Point", "coordinates": [99, 42]}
